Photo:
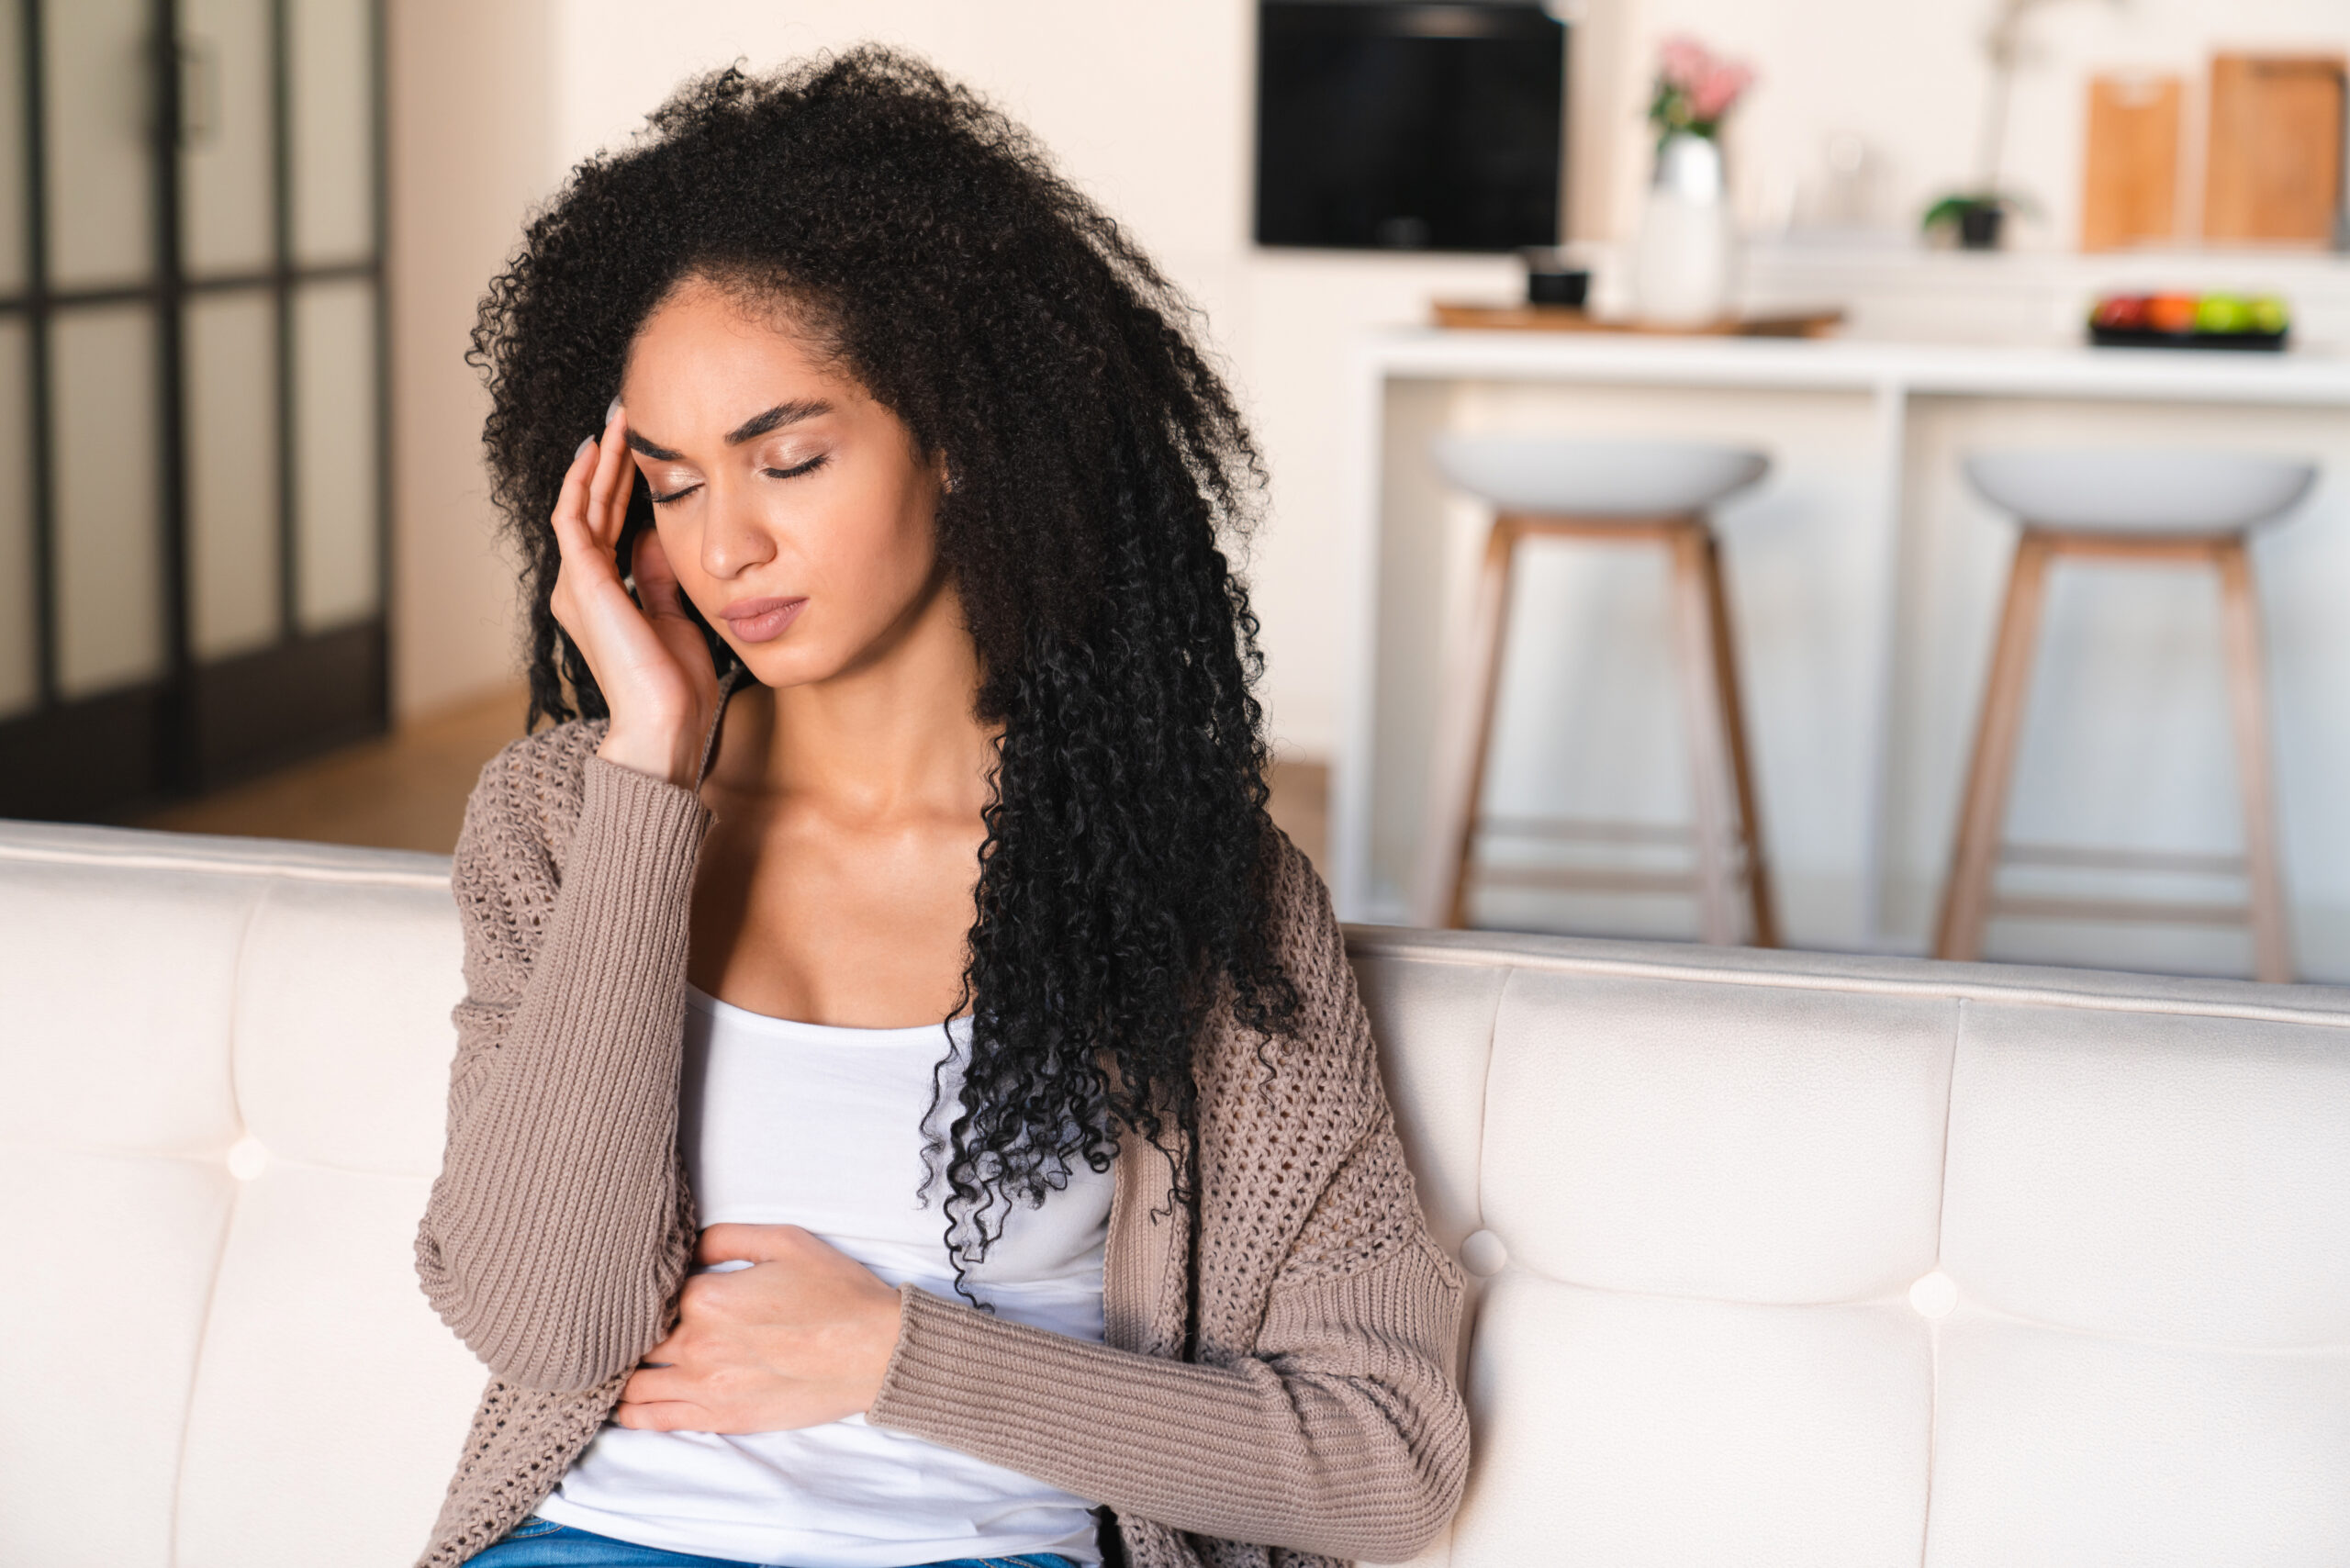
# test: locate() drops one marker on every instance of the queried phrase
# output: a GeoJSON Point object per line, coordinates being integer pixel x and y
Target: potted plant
{"type": "Point", "coordinates": [1681, 271]}
{"type": "Point", "coordinates": [1977, 219]}
{"type": "Point", "coordinates": [1978, 215]}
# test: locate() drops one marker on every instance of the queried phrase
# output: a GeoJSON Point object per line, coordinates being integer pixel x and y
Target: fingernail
{"type": "Point", "coordinates": [586, 447]}
{"type": "Point", "coordinates": [612, 412]}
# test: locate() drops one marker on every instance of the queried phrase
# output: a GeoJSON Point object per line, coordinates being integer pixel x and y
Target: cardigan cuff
{"type": "Point", "coordinates": [637, 835]}
{"type": "Point", "coordinates": [1029, 1398]}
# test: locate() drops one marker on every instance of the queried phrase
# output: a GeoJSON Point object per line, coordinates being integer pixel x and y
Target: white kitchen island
{"type": "Point", "coordinates": [1865, 581]}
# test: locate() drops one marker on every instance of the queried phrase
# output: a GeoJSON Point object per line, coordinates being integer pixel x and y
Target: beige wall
{"type": "Point", "coordinates": [470, 96]}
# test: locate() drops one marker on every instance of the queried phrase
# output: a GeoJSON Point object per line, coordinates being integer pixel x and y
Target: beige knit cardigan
{"type": "Point", "coordinates": [1279, 1392]}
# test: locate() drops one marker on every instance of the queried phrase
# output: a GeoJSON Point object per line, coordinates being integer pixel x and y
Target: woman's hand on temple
{"type": "Point", "coordinates": [800, 1338]}
{"type": "Point", "coordinates": [652, 662]}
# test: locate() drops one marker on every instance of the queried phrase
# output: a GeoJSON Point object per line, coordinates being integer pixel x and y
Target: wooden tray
{"type": "Point", "coordinates": [1574, 318]}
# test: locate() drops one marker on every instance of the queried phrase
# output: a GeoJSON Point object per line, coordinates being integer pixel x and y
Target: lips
{"type": "Point", "coordinates": [761, 620]}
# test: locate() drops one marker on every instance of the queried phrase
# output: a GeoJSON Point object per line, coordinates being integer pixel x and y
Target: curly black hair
{"type": "Point", "coordinates": [1096, 460]}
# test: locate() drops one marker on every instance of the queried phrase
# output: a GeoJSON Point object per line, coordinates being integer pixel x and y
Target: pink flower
{"type": "Point", "coordinates": [1686, 63]}
{"type": "Point", "coordinates": [1712, 95]}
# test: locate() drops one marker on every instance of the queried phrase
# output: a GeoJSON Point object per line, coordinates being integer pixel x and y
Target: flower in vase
{"type": "Point", "coordinates": [1712, 97]}
{"type": "Point", "coordinates": [1695, 88]}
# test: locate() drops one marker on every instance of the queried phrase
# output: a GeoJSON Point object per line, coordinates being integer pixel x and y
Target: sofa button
{"type": "Point", "coordinates": [1484, 1255]}
{"type": "Point", "coordinates": [1934, 1294]}
{"type": "Point", "coordinates": [247, 1158]}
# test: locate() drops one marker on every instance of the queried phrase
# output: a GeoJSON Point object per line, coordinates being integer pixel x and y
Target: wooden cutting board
{"type": "Point", "coordinates": [2130, 179]}
{"type": "Point", "coordinates": [2275, 169]}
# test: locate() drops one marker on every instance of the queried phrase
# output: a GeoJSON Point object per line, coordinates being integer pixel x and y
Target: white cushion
{"type": "Point", "coordinates": [1780, 1259]}
{"type": "Point", "coordinates": [2147, 1174]}
{"type": "Point", "coordinates": [104, 1309]}
{"type": "Point", "coordinates": [326, 1386]}
{"type": "Point", "coordinates": [217, 1371]}
{"type": "Point", "coordinates": [1809, 1260]}
{"type": "Point", "coordinates": [1628, 1429]}
{"type": "Point", "coordinates": [342, 1025]}
{"type": "Point", "coordinates": [2059, 1449]}
{"type": "Point", "coordinates": [1744, 1143]}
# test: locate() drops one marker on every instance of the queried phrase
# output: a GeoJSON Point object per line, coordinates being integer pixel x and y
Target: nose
{"type": "Point", "coordinates": [735, 539]}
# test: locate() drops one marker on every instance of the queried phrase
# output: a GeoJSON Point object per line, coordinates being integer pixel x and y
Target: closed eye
{"type": "Point", "coordinates": [793, 473]}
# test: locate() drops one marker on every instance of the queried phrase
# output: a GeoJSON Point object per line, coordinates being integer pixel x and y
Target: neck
{"type": "Point", "coordinates": [894, 732]}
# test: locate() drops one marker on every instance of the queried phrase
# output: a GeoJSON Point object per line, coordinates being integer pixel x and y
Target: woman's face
{"type": "Point", "coordinates": [792, 507]}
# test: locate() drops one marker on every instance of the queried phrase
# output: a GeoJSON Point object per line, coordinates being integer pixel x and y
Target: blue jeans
{"type": "Point", "coordinates": [542, 1544]}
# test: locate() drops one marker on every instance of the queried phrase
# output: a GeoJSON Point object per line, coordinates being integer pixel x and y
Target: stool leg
{"type": "Point", "coordinates": [1448, 838]}
{"type": "Point", "coordinates": [1733, 720]}
{"type": "Point", "coordinates": [1701, 703]}
{"type": "Point", "coordinates": [1966, 899]}
{"type": "Point", "coordinates": [2248, 698]}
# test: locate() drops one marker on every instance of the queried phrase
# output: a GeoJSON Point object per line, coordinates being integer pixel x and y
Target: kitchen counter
{"type": "Point", "coordinates": [1864, 579]}
{"type": "Point", "coordinates": [1834, 363]}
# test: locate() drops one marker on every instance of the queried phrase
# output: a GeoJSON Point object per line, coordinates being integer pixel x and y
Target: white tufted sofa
{"type": "Point", "coordinates": [1784, 1260]}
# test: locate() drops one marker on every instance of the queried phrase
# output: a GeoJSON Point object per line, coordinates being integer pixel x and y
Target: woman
{"type": "Point", "coordinates": [911, 1104]}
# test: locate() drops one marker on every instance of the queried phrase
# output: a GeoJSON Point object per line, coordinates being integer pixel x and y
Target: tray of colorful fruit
{"type": "Point", "coordinates": [2189, 321]}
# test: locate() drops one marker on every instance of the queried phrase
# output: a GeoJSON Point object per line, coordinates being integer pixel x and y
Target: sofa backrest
{"type": "Point", "coordinates": [1780, 1259]}
{"type": "Point", "coordinates": [1790, 1259]}
{"type": "Point", "coordinates": [226, 1063]}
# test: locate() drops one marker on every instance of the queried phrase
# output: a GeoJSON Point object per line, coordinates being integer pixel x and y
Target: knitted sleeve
{"type": "Point", "coordinates": [557, 1231]}
{"type": "Point", "coordinates": [1337, 1428]}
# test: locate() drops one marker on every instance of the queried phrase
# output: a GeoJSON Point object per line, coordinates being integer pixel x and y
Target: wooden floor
{"type": "Point", "coordinates": [408, 790]}
{"type": "Point", "coordinates": [405, 790]}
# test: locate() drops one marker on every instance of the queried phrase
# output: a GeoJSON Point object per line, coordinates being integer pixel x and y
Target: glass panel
{"type": "Point", "coordinates": [329, 46]}
{"type": "Point", "coordinates": [109, 535]}
{"type": "Point", "coordinates": [101, 165]}
{"type": "Point", "coordinates": [232, 473]}
{"type": "Point", "coordinates": [226, 208]}
{"type": "Point", "coordinates": [334, 454]}
{"type": "Point", "coordinates": [20, 633]}
{"type": "Point", "coordinates": [12, 146]}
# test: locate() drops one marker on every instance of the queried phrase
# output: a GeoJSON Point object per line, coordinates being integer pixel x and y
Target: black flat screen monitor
{"type": "Point", "coordinates": [1388, 125]}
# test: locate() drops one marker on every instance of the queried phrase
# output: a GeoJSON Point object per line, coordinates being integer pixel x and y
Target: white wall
{"type": "Point", "coordinates": [1147, 106]}
{"type": "Point", "coordinates": [1907, 77]}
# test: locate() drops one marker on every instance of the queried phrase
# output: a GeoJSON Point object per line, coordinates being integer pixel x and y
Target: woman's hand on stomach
{"type": "Point", "coordinates": [800, 1338]}
{"type": "Point", "coordinates": [651, 662]}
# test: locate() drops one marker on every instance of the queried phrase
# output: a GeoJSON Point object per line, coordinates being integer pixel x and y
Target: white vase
{"type": "Point", "coordinates": [1683, 265]}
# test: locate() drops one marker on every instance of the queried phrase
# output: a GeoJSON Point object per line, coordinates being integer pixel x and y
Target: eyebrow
{"type": "Point", "coordinates": [776, 417]}
{"type": "Point", "coordinates": [749, 430]}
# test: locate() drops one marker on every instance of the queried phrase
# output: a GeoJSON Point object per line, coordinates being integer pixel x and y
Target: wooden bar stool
{"type": "Point", "coordinates": [1646, 493]}
{"type": "Point", "coordinates": [2148, 506]}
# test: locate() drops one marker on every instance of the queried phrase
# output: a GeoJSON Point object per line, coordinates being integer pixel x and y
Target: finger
{"type": "Point", "coordinates": [571, 500]}
{"type": "Point", "coordinates": [608, 490]}
{"type": "Point", "coordinates": [748, 1243]}
{"type": "Point", "coordinates": [666, 1415]}
{"type": "Point", "coordinates": [651, 1384]}
{"type": "Point", "coordinates": [656, 581]}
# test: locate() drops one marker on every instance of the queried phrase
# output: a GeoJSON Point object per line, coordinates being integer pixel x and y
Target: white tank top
{"type": "Point", "coordinates": [811, 1124]}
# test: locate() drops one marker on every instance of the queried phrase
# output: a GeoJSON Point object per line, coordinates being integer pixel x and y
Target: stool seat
{"type": "Point", "coordinates": [1648, 495]}
{"type": "Point", "coordinates": [2141, 490]}
{"type": "Point", "coordinates": [1631, 481]}
{"type": "Point", "coordinates": [2146, 505]}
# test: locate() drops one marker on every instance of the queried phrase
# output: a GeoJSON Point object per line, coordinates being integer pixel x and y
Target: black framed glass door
{"type": "Point", "coordinates": [193, 393]}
